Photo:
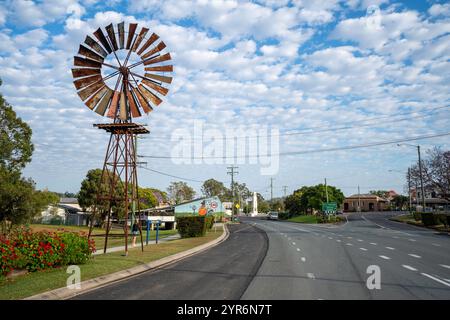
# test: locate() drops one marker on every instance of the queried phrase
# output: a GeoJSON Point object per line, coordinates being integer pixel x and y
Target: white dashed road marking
{"type": "Point", "coordinates": [385, 258]}
{"type": "Point", "coordinates": [412, 240]}
{"type": "Point", "coordinates": [373, 243]}
{"type": "Point", "coordinates": [445, 266]}
{"type": "Point", "coordinates": [436, 279]}
{"type": "Point", "coordinates": [390, 248]}
{"type": "Point", "coordinates": [436, 245]}
{"type": "Point", "coordinates": [349, 244]}
{"type": "Point", "coordinates": [303, 259]}
{"type": "Point", "coordinates": [414, 255]}
{"type": "Point", "coordinates": [360, 240]}
{"type": "Point", "coordinates": [338, 240]}
{"type": "Point", "coordinates": [293, 243]}
{"type": "Point", "coordinates": [363, 249]}
{"type": "Point", "coordinates": [298, 249]}
{"type": "Point", "coordinates": [330, 238]}
{"type": "Point", "coordinates": [409, 267]}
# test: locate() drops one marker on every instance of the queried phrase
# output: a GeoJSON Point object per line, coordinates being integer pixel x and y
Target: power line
{"type": "Point", "coordinates": [169, 175]}
{"type": "Point", "coordinates": [339, 127]}
{"type": "Point", "coordinates": [359, 146]}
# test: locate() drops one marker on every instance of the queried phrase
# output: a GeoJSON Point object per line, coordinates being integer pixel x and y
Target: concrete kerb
{"type": "Point", "coordinates": [95, 283]}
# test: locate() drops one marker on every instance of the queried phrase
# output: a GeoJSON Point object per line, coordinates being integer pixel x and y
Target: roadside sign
{"type": "Point", "coordinates": [329, 207]}
{"type": "Point", "coordinates": [237, 206]}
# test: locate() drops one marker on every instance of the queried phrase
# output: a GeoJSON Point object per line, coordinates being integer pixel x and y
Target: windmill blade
{"type": "Point", "coordinates": [94, 45]}
{"type": "Point", "coordinates": [133, 108]}
{"type": "Point", "coordinates": [82, 62]}
{"type": "Point", "coordinates": [103, 104]}
{"type": "Point", "coordinates": [88, 91]}
{"type": "Point", "coordinates": [156, 49]}
{"type": "Point", "coordinates": [158, 77]}
{"type": "Point", "coordinates": [121, 27]}
{"type": "Point", "coordinates": [89, 54]}
{"type": "Point", "coordinates": [112, 37]}
{"type": "Point", "coordinates": [83, 72]}
{"type": "Point", "coordinates": [149, 42]}
{"type": "Point", "coordinates": [139, 38]}
{"type": "Point", "coordinates": [84, 82]}
{"type": "Point", "coordinates": [101, 37]}
{"type": "Point", "coordinates": [146, 106]}
{"type": "Point", "coordinates": [131, 31]}
{"type": "Point", "coordinates": [155, 86]}
{"type": "Point", "coordinates": [92, 101]}
{"type": "Point", "coordinates": [162, 58]}
{"type": "Point", "coordinates": [123, 111]}
{"type": "Point", "coordinates": [114, 104]}
{"type": "Point", "coordinates": [150, 96]}
{"type": "Point", "coordinates": [168, 68]}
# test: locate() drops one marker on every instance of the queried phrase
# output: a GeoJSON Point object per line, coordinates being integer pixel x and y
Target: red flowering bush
{"type": "Point", "coordinates": [42, 250]}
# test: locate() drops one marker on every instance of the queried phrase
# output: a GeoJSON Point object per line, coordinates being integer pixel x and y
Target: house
{"type": "Point", "coordinates": [365, 202]}
{"type": "Point", "coordinates": [67, 212]}
{"type": "Point", "coordinates": [200, 206]}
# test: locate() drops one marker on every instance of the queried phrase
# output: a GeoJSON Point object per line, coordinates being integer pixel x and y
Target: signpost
{"type": "Point", "coordinates": [329, 207]}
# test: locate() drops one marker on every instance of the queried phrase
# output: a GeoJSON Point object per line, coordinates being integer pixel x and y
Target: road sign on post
{"type": "Point", "coordinates": [329, 207]}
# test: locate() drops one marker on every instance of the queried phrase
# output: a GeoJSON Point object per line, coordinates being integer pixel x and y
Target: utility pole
{"type": "Point", "coordinates": [409, 189]}
{"type": "Point", "coordinates": [326, 189]}
{"type": "Point", "coordinates": [421, 180]}
{"type": "Point", "coordinates": [285, 190]}
{"type": "Point", "coordinates": [232, 173]}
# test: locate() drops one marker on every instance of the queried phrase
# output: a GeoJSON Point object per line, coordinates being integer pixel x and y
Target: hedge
{"type": "Point", "coordinates": [428, 219]}
{"type": "Point", "coordinates": [23, 249]}
{"type": "Point", "coordinates": [194, 226]}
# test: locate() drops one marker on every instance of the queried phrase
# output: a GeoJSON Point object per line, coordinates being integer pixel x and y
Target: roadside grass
{"type": "Point", "coordinates": [38, 282]}
{"type": "Point", "coordinates": [304, 219]}
{"type": "Point", "coordinates": [409, 219]}
{"type": "Point", "coordinates": [116, 237]}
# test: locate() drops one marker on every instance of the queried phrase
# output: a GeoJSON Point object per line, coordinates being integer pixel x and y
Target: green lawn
{"type": "Point", "coordinates": [116, 235]}
{"type": "Point", "coordinates": [38, 282]}
{"type": "Point", "coordinates": [304, 219]}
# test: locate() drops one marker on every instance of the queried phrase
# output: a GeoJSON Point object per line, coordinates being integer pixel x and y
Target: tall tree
{"type": "Point", "coordinates": [212, 187]}
{"type": "Point", "coordinates": [15, 139]}
{"type": "Point", "coordinates": [180, 191]}
{"type": "Point", "coordinates": [91, 186]}
{"type": "Point", "coordinates": [309, 198]}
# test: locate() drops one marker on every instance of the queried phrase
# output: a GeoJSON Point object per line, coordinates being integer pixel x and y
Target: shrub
{"type": "Point", "coordinates": [428, 219]}
{"type": "Point", "coordinates": [442, 218]}
{"type": "Point", "coordinates": [417, 216]}
{"type": "Point", "coordinates": [284, 215]}
{"type": "Point", "coordinates": [42, 250]}
{"type": "Point", "coordinates": [194, 226]}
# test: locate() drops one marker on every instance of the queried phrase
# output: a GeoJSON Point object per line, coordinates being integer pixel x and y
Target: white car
{"type": "Point", "coordinates": [272, 216]}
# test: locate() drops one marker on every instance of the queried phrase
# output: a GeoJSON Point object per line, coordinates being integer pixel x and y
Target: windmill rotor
{"type": "Point", "coordinates": [106, 80]}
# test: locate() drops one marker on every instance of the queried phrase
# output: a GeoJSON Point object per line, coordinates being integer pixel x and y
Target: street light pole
{"type": "Point", "coordinates": [409, 189]}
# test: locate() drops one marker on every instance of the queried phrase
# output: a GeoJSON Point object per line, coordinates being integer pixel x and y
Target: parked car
{"type": "Point", "coordinates": [273, 215]}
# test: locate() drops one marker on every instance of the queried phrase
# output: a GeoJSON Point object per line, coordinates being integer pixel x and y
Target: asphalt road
{"type": "Point", "coordinates": [331, 262]}
{"type": "Point", "coordinates": [281, 260]}
{"type": "Point", "coordinates": [220, 273]}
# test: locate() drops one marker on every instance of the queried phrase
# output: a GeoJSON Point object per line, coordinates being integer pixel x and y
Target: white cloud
{"type": "Point", "coordinates": [32, 38]}
{"type": "Point", "coordinates": [440, 10]}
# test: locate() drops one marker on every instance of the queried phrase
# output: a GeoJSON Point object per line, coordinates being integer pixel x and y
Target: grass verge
{"type": "Point", "coordinates": [409, 219]}
{"type": "Point", "coordinates": [38, 282]}
{"type": "Point", "coordinates": [304, 219]}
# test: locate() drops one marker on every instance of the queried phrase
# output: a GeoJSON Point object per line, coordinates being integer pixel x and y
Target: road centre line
{"type": "Point", "coordinates": [409, 267]}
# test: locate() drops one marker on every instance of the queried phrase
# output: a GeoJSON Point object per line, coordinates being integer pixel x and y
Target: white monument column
{"type": "Point", "coordinates": [255, 205]}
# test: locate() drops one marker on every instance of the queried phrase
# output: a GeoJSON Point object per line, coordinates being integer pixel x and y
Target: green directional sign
{"type": "Point", "coordinates": [329, 207]}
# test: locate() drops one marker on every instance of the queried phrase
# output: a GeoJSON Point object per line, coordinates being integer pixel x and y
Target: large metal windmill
{"type": "Point", "coordinates": [121, 73]}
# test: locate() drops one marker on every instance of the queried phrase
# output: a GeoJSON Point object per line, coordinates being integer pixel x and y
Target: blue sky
{"type": "Point", "coordinates": [282, 64]}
